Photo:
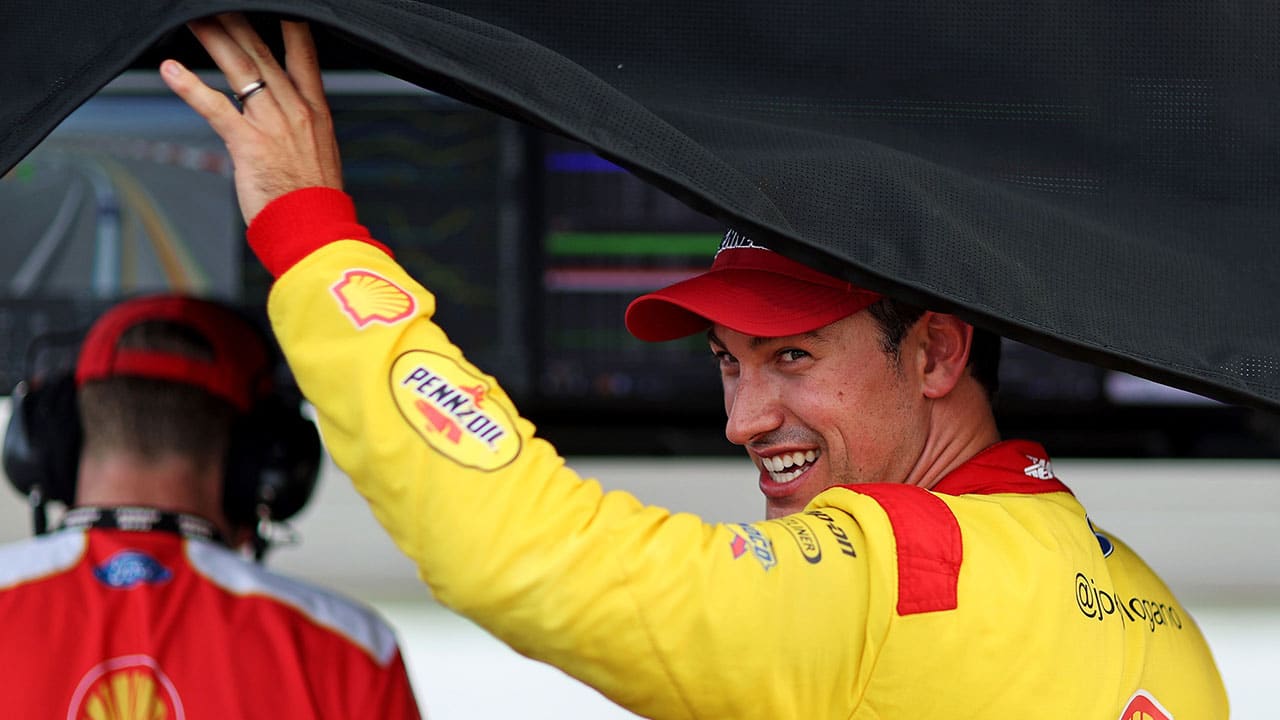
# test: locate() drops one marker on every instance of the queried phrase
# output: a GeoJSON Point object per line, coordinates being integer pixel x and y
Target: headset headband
{"type": "Point", "coordinates": [237, 373]}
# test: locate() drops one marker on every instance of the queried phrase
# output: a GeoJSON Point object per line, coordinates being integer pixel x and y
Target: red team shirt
{"type": "Point", "coordinates": [109, 624]}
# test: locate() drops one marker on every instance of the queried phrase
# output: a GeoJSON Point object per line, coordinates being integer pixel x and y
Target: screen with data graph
{"type": "Point", "coordinates": [607, 238]}
{"type": "Point", "coordinates": [443, 185]}
{"type": "Point", "coordinates": [533, 244]}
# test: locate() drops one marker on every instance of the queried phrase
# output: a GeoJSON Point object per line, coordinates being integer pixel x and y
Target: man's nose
{"type": "Point", "coordinates": [754, 408]}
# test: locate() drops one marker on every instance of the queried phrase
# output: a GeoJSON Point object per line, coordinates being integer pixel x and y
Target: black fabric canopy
{"type": "Point", "coordinates": [1094, 179]}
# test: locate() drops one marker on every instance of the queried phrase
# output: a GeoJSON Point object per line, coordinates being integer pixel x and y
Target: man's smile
{"type": "Point", "coordinates": [788, 466]}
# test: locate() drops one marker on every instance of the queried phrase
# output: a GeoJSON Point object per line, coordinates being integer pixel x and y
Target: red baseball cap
{"type": "Point", "coordinates": [750, 289]}
{"type": "Point", "coordinates": [239, 371]}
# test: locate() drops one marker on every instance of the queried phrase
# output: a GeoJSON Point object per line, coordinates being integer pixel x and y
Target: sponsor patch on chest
{"type": "Point", "coordinates": [747, 539]}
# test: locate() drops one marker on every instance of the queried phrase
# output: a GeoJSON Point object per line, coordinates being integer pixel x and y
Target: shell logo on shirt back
{"type": "Point", "coordinates": [132, 687]}
{"type": "Point", "coordinates": [452, 410]}
{"type": "Point", "coordinates": [1142, 706]}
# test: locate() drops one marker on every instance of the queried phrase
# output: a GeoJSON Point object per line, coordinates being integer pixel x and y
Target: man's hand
{"type": "Point", "coordinates": [283, 140]}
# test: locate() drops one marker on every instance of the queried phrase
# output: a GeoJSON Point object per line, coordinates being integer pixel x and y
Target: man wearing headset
{"type": "Point", "coordinates": [914, 564]}
{"type": "Point", "coordinates": [142, 603]}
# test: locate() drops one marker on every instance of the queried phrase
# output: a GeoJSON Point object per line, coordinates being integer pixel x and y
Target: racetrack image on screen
{"type": "Point", "coordinates": [129, 194]}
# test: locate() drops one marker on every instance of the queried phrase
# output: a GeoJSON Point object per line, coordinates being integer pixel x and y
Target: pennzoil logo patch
{"type": "Point", "coordinates": [367, 297]}
{"type": "Point", "coordinates": [452, 410]}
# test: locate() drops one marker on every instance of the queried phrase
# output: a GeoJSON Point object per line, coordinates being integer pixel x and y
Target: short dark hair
{"type": "Point", "coordinates": [895, 318]}
{"type": "Point", "coordinates": [153, 418]}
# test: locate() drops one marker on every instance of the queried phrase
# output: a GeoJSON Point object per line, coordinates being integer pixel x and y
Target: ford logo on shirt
{"type": "Point", "coordinates": [129, 568]}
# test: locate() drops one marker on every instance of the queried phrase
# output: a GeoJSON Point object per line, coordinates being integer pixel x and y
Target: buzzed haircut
{"type": "Point", "coordinates": [154, 418]}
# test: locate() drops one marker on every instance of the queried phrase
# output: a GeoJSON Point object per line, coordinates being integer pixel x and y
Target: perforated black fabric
{"type": "Point", "coordinates": [1096, 179]}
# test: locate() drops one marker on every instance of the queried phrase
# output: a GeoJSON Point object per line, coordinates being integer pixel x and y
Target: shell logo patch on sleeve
{"type": "Point", "coordinates": [452, 410]}
{"type": "Point", "coordinates": [130, 568]}
{"type": "Point", "coordinates": [132, 687]}
{"type": "Point", "coordinates": [1144, 707]}
{"type": "Point", "coordinates": [367, 297]}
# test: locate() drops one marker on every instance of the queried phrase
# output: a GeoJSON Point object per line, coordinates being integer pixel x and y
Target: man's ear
{"type": "Point", "coordinates": [946, 344]}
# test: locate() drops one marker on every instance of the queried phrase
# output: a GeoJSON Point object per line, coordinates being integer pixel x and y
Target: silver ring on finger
{"type": "Point", "coordinates": [250, 90]}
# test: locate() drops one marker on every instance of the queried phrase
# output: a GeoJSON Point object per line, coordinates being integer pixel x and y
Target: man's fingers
{"type": "Point", "coordinates": [216, 108]}
{"type": "Point", "coordinates": [301, 62]}
{"type": "Point", "coordinates": [239, 68]}
{"type": "Point", "coordinates": [244, 60]}
{"type": "Point", "coordinates": [282, 141]}
{"type": "Point", "coordinates": [303, 65]}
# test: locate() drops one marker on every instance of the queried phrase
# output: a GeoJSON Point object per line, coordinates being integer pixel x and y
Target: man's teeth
{"type": "Point", "coordinates": [785, 468]}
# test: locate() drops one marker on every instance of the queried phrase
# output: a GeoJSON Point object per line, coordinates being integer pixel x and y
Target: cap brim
{"type": "Point", "coordinates": [750, 301]}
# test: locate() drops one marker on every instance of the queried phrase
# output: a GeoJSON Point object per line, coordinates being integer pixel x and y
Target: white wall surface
{"type": "Point", "coordinates": [1211, 528]}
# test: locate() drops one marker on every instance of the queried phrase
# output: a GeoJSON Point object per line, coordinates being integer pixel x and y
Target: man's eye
{"type": "Point", "coordinates": [724, 359]}
{"type": "Point", "coordinates": [792, 355]}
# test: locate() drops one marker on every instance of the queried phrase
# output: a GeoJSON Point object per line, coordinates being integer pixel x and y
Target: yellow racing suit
{"type": "Point", "coordinates": [990, 596]}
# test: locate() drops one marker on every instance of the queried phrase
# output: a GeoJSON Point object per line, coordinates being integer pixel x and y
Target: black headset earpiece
{"type": "Point", "coordinates": [42, 443]}
{"type": "Point", "coordinates": [272, 466]}
{"type": "Point", "coordinates": [275, 454]}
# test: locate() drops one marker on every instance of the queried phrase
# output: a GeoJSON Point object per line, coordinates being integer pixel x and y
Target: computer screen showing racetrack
{"type": "Point", "coordinates": [133, 193]}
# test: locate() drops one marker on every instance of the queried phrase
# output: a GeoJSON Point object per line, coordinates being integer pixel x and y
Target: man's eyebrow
{"type": "Point", "coordinates": [757, 341]}
{"type": "Point", "coordinates": [812, 336]}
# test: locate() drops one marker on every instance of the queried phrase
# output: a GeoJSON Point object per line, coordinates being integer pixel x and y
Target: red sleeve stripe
{"type": "Point", "coordinates": [929, 546]}
{"type": "Point", "coordinates": [298, 223]}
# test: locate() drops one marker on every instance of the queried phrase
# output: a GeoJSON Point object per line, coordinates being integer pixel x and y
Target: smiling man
{"type": "Point", "coordinates": [819, 393]}
{"type": "Point", "coordinates": [914, 565]}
